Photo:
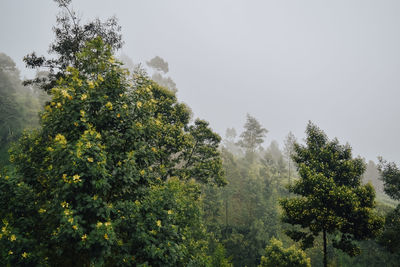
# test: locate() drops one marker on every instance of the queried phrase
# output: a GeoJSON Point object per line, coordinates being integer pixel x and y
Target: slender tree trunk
{"type": "Point", "coordinates": [325, 259]}
{"type": "Point", "coordinates": [226, 215]}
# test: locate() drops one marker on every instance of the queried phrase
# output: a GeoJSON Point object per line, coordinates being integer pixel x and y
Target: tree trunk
{"type": "Point", "coordinates": [325, 259]}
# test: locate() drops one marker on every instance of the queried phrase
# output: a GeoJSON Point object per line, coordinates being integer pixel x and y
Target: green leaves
{"type": "Point", "coordinates": [278, 256]}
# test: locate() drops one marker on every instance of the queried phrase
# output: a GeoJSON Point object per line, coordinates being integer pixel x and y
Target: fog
{"type": "Point", "coordinates": [284, 62]}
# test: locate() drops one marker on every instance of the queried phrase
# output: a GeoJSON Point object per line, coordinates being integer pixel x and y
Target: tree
{"type": "Point", "coordinates": [111, 177]}
{"type": "Point", "coordinates": [160, 69]}
{"type": "Point", "coordinates": [390, 175]}
{"type": "Point", "coordinates": [278, 256]}
{"type": "Point", "coordinates": [71, 36]}
{"type": "Point", "coordinates": [332, 199]}
{"type": "Point", "coordinates": [253, 135]}
{"type": "Point", "coordinates": [288, 150]}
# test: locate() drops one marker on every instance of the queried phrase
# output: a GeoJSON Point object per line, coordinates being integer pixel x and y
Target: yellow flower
{"type": "Point", "coordinates": [170, 212]}
{"type": "Point", "coordinates": [59, 105]}
{"type": "Point", "coordinates": [119, 163]}
{"type": "Point", "coordinates": [13, 238]}
{"type": "Point", "coordinates": [41, 210]}
{"type": "Point", "coordinates": [24, 255]}
{"type": "Point", "coordinates": [10, 252]}
{"type": "Point", "coordinates": [90, 159]}
{"type": "Point", "coordinates": [95, 197]}
{"type": "Point", "coordinates": [139, 104]}
{"type": "Point", "coordinates": [109, 105]}
{"type": "Point", "coordinates": [91, 84]}
{"type": "Point", "coordinates": [84, 237]}
{"type": "Point", "coordinates": [118, 115]}
{"type": "Point", "coordinates": [124, 106]}
{"type": "Point", "coordinates": [107, 224]}
{"type": "Point", "coordinates": [159, 223]}
{"type": "Point", "coordinates": [153, 149]}
{"type": "Point", "coordinates": [105, 236]}
{"type": "Point", "coordinates": [75, 227]}
{"type": "Point", "coordinates": [83, 97]}
{"type": "Point", "coordinates": [76, 124]}
{"type": "Point", "coordinates": [71, 220]}
{"type": "Point", "coordinates": [82, 112]}
{"type": "Point", "coordinates": [60, 139]}
{"type": "Point", "coordinates": [76, 178]}
{"type": "Point", "coordinates": [100, 78]}
{"type": "Point", "coordinates": [99, 224]}
{"type": "Point", "coordinates": [142, 172]}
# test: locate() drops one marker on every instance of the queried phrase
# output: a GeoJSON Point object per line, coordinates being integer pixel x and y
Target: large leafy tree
{"type": "Point", "coordinates": [331, 199]}
{"type": "Point", "coordinates": [111, 177]}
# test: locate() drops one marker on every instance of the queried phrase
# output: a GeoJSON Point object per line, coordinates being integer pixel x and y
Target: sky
{"type": "Point", "coordinates": [335, 63]}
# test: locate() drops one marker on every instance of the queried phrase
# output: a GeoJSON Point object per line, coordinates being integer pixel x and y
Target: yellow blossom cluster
{"type": "Point", "coordinates": [61, 140]}
{"type": "Point", "coordinates": [109, 105]}
{"type": "Point", "coordinates": [75, 179]}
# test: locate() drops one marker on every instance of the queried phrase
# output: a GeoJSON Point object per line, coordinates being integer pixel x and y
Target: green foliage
{"type": "Point", "coordinates": [278, 256]}
{"type": "Point", "coordinates": [111, 177]}
{"type": "Point", "coordinates": [331, 198]}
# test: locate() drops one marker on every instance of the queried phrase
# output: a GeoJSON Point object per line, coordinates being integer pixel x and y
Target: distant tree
{"type": "Point", "coordinates": [160, 69]}
{"type": "Point", "coordinates": [332, 199]}
{"type": "Point", "coordinates": [278, 256]}
{"type": "Point", "coordinates": [290, 140]}
{"type": "Point", "coordinates": [252, 136]}
{"type": "Point", "coordinates": [158, 64]}
{"type": "Point", "coordinates": [19, 105]}
{"type": "Point", "coordinates": [10, 110]}
{"type": "Point", "coordinates": [71, 36]}
{"type": "Point", "coordinates": [373, 176]}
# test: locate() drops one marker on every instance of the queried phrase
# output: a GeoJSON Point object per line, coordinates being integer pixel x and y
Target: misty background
{"type": "Point", "coordinates": [335, 63]}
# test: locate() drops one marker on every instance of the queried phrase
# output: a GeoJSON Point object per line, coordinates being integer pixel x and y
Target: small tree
{"type": "Point", "coordinates": [278, 256]}
{"type": "Point", "coordinates": [332, 199]}
{"type": "Point", "coordinates": [252, 136]}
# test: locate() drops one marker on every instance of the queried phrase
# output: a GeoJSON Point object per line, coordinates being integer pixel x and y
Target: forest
{"type": "Point", "coordinates": [102, 165]}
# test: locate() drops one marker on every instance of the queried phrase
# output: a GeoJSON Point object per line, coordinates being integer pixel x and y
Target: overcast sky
{"type": "Point", "coordinates": [336, 63]}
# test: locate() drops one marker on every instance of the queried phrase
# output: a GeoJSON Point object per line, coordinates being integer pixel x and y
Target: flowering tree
{"type": "Point", "coordinates": [111, 176]}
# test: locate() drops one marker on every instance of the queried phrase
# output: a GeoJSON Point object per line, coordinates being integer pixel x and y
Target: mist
{"type": "Point", "coordinates": [285, 63]}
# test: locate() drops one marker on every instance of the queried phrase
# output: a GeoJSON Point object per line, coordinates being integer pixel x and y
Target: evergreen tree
{"type": "Point", "coordinates": [332, 199]}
